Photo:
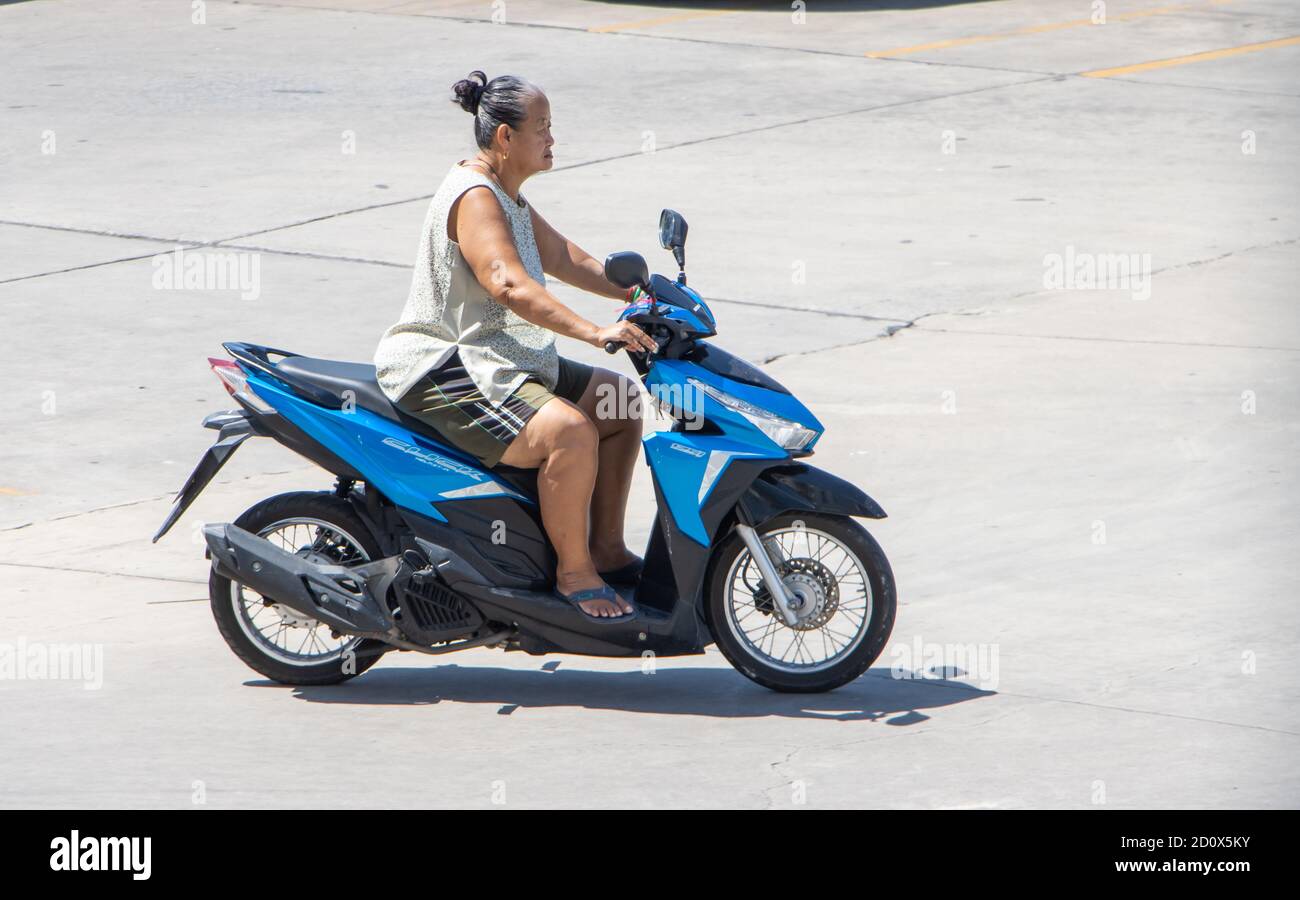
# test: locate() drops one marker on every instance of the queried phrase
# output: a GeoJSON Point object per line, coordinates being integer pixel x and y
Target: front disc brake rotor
{"type": "Point", "coordinates": [812, 584]}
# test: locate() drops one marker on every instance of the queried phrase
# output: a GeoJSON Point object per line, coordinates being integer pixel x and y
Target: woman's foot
{"type": "Point", "coordinates": [567, 584]}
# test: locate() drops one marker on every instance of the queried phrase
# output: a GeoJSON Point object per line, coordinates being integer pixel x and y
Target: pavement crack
{"type": "Point", "coordinates": [125, 503]}
{"type": "Point", "coordinates": [1187, 264]}
{"type": "Point", "coordinates": [309, 255]}
{"type": "Point", "coordinates": [1196, 87]}
{"type": "Point", "coordinates": [190, 244]}
{"type": "Point", "coordinates": [101, 572]}
{"type": "Point", "coordinates": [153, 499]}
{"type": "Point", "coordinates": [890, 331]}
{"type": "Point", "coordinates": [786, 780]}
{"type": "Point", "coordinates": [903, 325]}
{"type": "Point", "coordinates": [803, 309]}
{"type": "Point", "coordinates": [324, 218]}
{"type": "Point", "coordinates": [94, 265]}
{"type": "Point", "coordinates": [1191, 264]}
{"type": "Point", "coordinates": [771, 359]}
{"type": "Point", "coordinates": [97, 232]}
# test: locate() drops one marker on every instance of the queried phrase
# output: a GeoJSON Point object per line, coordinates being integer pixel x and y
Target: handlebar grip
{"type": "Point", "coordinates": [612, 346]}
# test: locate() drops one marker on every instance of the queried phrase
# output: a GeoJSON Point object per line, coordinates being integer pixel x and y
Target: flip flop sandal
{"type": "Point", "coordinates": [600, 593]}
{"type": "Point", "coordinates": [626, 574]}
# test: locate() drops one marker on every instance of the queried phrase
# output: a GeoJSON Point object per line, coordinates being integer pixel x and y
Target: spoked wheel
{"type": "Point", "coordinates": [274, 640]}
{"type": "Point", "coordinates": [842, 595]}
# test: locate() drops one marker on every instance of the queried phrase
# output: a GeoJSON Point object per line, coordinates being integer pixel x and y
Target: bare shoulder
{"type": "Point", "coordinates": [475, 210]}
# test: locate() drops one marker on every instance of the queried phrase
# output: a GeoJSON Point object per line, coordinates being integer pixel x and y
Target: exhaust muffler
{"type": "Point", "coordinates": [349, 600]}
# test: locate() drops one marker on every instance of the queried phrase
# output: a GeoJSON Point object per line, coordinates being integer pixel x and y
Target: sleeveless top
{"type": "Point", "coordinates": [448, 310]}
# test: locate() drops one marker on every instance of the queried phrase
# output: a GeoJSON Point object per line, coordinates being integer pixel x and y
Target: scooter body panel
{"type": "Point", "coordinates": [412, 470]}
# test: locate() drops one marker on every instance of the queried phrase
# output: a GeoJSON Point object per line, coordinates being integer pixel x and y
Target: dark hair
{"type": "Point", "coordinates": [502, 100]}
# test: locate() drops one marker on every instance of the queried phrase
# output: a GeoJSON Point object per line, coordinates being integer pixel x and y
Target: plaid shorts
{"type": "Point", "coordinates": [447, 400]}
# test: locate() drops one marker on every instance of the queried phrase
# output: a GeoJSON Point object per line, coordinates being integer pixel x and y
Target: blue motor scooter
{"type": "Point", "coordinates": [418, 547]}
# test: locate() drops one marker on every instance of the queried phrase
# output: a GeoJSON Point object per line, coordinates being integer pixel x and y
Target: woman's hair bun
{"type": "Point", "coordinates": [469, 90]}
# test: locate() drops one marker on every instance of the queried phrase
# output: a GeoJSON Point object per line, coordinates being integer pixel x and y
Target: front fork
{"type": "Point", "coordinates": [767, 569]}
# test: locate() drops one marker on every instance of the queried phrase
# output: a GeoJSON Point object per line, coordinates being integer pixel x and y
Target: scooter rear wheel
{"type": "Point", "coordinates": [844, 590]}
{"type": "Point", "coordinates": [274, 640]}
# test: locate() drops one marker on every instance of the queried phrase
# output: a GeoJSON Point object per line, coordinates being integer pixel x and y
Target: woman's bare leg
{"type": "Point", "coordinates": [613, 405]}
{"type": "Point", "coordinates": [562, 443]}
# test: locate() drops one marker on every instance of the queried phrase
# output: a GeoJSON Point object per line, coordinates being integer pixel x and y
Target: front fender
{"type": "Point", "coordinates": [802, 488]}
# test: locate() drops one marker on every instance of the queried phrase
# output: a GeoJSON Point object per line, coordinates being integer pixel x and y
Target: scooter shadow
{"type": "Point", "coordinates": [671, 690]}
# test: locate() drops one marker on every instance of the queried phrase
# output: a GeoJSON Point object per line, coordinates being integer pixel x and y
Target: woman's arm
{"type": "Point", "coordinates": [565, 260]}
{"type": "Point", "coordinates": [489, 248]}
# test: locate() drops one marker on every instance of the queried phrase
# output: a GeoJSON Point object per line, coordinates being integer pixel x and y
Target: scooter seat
{"type": "Point", "coordinates": [359, 378]}
{"type": "Point", "coordinates": [344, 379]}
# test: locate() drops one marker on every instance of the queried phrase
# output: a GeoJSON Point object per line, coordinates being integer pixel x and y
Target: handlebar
{"type": "Point", "coordinates": [612, 346]}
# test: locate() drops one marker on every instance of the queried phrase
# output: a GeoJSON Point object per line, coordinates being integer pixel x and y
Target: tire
{"type": "Point", "coordinates": [237, 629]}
{"type": "Point", "coordinates": [837, 669]}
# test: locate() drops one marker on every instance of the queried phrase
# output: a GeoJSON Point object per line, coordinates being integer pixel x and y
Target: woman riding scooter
{"type": "Point", "coordinates": [474, 356]}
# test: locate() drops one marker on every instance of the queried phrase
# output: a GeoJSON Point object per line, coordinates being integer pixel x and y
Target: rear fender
{"type": "Point", "coordinates": [234, 427]}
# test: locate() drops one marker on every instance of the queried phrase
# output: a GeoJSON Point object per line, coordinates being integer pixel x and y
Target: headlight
{"type": "Point", "coordinates": [786, 434]}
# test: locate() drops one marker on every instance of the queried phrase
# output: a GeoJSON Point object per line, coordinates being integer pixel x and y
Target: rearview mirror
{"type": "Point", "coordinates": [672, 235]}
{"type": "Point", "coordinates": [627, 269]}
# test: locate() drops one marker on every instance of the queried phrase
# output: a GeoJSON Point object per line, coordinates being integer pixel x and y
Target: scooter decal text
{"type": "Point", "coordinates": [434, 459]}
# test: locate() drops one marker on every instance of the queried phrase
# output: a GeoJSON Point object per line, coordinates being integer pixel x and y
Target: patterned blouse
{"type": "Point", "coordinates": [448, 308]}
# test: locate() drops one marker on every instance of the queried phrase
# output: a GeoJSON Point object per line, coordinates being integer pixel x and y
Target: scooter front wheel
{"type": "Point", "coordinates": [842, 594]}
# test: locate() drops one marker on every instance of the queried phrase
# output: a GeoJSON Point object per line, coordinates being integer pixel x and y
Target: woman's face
{"type": "Point", "coordinates": [530, 144]}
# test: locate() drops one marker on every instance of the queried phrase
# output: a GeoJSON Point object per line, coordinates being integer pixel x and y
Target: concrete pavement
{"type": "Point", "coordinates": [1095, 488]}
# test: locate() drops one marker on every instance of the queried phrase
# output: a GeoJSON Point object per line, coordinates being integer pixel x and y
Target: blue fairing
{"type": "Point", "coordinates": [412, 470]}
{"type": "Point", "coordinates": [706, 313]}
{"type": "Point", "coordinates": [680, 302]}
{"type": "Point", "coordinates": [670, 372]}
{"type": "Point", "coordinates": [688, 463]}
{"type": "Point", "coordinates": [688, 466]}
{"type": "Point", "coordinates": [676, 302]}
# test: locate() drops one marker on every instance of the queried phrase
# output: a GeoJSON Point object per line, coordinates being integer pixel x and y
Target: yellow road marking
{"type": "Point", "coordinates": [13, 492]}
{"type": "Point", "coordinates": [1195, 57]}
{"type": "Point", "coordinates": [661, 20]}
{"type": "Point", "coordinates": [1039, 29]}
